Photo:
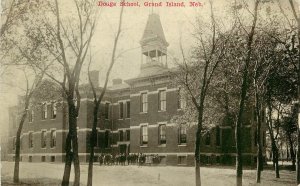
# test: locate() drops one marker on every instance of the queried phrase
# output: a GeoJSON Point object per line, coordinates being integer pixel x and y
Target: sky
{"type": "Point", "coordinates": [176, 21]}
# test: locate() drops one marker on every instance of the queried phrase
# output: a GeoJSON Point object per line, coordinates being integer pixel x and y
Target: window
{"type": "Point", "coordinates": [106, 139]}
{"type": "Point", "coordinates": [106, 110]}
{"type": "Point", "coordinates": [31, 115]}
{"type": "Point", "coordinates": [218, 136]}
{"type": "Point", "coordinates": [43, 158]}
{"type": "Point", "coordinates": [14, 143]}
{"type": "Point", "coordinates": [97, 139]}
{"type": "Point", "coordinates": [52, 158]}
{"type": "Point", "coordinates": [30, 141]}
{"type": "Point", "coordinates": [264, 138]}
{"type": "Point", "coordinates": [127, 135]}
{"type": "Point", "coordinates": [182, 134]}
{"type": "Point", "coordinates": [207, 138]}
{"type": "Point", "coordinates": [121, 137]}
{"type": "Point", "coordinates": [233, 136]}
{"type": "Point", "coordinates": [44, 111]}
{"type": "Point", "coordinates": [181, 99]}
{"type": "Point", "coordinates": [121, 110]}
{"type": "Point", "coordinates": [144, 102]}
{"type": "Point", "coordinates": [182, 160]}
{"type": "Point", "coordinates": [127, 109]}
{"type": "Point", "coordinates": [162, 134]}
{"type": "Point", "coordinates": [144, 135]}
{"type": "Point", "coordinates": [53, 138]}
{"type": "Point", "coordinates": [43, 139]}
{"type": "Point", "coordinates": [53, 110]}
{"type": "Point", "coordinates": [162, 101]}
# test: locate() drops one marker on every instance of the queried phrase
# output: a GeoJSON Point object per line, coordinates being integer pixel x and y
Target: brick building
{"type": "Point", "coordinates": [135, 118]}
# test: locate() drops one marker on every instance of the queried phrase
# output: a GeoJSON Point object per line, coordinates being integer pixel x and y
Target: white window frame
{"type": "Point", "coordinates": [144, 102]}
{"type": "Point", "coordinates": [142, 135]}
{"type": "Point", "coordinates": [162, 100]}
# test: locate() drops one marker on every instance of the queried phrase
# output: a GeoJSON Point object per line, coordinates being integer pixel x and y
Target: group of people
{"type": "Point", "coordinates": [128, 159]}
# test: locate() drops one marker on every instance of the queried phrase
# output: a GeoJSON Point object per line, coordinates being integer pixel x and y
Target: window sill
{"type": "Point", "coordinates": [43, 147]}
{"type": "Point", "coordinates": [52, 147]}
{"type": "Point", "coordinates": [121, 119]}
{"type": "Point", "coordinates": [127, 118]}
{"type": "Point", "coordinates": [181, 164]}
{"type": "Point", "coordinates": [143, 112]}
{"type": "Point", "coordinates": [161, 110]}
{"type": "Point", "coordinates": [182, 145]}
{"type": "Point", "coordinates": [162, 145]}
{"type": "Point", "coordinates": [53, 119]}
{"type": "Point", "coordinates": [144, 146]}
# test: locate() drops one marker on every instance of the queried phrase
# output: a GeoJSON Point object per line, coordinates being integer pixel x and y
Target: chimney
{"type": "Point", "coordinates": [117, 81]}
{"type": "Point", "coordinates": [94, 74]}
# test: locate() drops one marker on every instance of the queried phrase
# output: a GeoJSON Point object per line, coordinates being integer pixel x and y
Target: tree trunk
{"type": "Point", "coordinates": [258, 109]}
{"type": "Point", "coordinates": [292, 153]}
{"type": "Point", "coordinates": [197, 147]}
{"type": "Point", "coordinates": [298, 154]}
{"type": "Point", "coordinates": [93, 139]}
{"type": "Point", "coordinates": [18, 145]}
{"type": "Point", "coordinates": [68, 161]}
{"type": "Point", "coordinates": [197, 158]}
{"type": "Point", "coordinates": [72, 146]}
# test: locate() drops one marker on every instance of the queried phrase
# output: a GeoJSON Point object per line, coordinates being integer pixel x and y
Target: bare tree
{"type": "Point", "coordinates": [30, 89]}
{"type": "Point", "coordinates": [243, 92]}
{"type": "Point", "coordinates": [98, 99]}
{"type": "Point", "coordinates": [66, 42]}
{"type": "Point", "coordinates": [195, 75]}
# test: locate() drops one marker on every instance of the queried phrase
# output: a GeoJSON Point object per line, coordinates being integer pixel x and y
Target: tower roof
{"type": "Point", "coordinates": [154, 30]}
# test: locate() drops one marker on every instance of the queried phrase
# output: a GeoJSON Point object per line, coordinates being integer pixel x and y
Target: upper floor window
{"type": "Point", "coordinates": [44, 111]}
{"type": "Point", "coordinates": [207, 138]}
{"type": "Point", "coordinates": [162, 134]}
{"type": "Point", "coordinates": [53, 138]}
{"type": "Point", "coordinates": [43, 139]}
{"type": "Point", "coordinates": [162, 100]}
{"type": "Point", "coordinates": [30, 140]}
{"type": "Point", "coordinates": [181, 99]}
{"type": "Point", "coordinates": [53, 110]}
{"type": "Point", "coordinates": [218, 136]}
{"type": "Point", "coordinates": [144, 135]}
{"type": "Point", "coordinates": [106, 110]}
{"type": "Point", "coordinates": [144, 102]}
{"type": "Point", "coordinates": [182, 137]}
{"type": "Point", "coordinates": [127, 109]}
{"type": "Point", "coordinates": [121, 110]}
{"type": "Point", "coordinates": [31, 115]}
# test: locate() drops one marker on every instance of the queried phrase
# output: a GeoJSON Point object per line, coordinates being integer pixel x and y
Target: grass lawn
{"type": "Point", "coordinates": [51, 174]}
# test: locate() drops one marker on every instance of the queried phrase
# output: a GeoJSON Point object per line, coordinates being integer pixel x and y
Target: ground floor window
{"type": "Point", "coordinates": [182, 134]}
{"type": "Point", "coordinates": [144, 135]}
{"type": "Point", "coordinates": [182, 160]}
{"type": "Point", "coordinates": [43, 158]}
{"type": "Point", "coordinates": [52, 158]}
{"type": "Point", "coordinates": [30, 158]}
{"type": "Point", "coordinates": [162, 134]}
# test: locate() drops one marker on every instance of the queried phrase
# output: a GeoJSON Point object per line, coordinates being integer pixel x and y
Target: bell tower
{"type": "Point", "coordinates": [154, 46]}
